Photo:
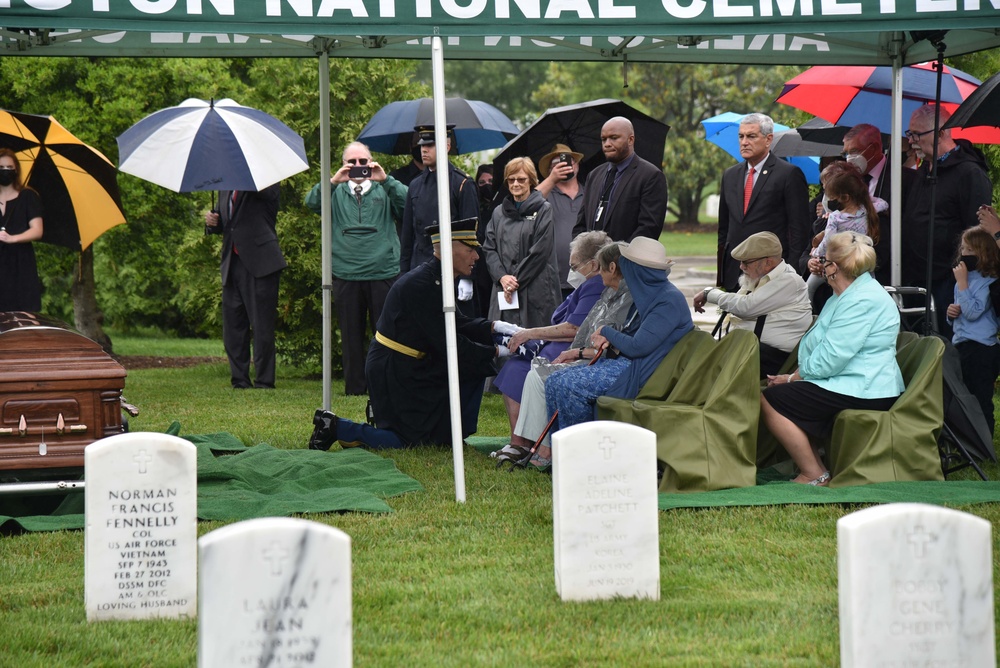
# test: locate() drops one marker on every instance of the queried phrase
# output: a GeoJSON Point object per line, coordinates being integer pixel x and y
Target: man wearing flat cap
{"type": "Point", "coordinates": [772, 300]}
{"type": "Point", "coordinates": [564, 192]}
{"type": "Point", "coordinates": [407, 368]}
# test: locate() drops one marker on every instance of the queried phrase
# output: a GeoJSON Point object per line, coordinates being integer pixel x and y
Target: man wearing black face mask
{"type": "Point", "coordinates": [564, 193]}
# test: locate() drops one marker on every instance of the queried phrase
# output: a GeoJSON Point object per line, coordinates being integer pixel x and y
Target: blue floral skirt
{"type": "Point", "coordinates": [574, 391]}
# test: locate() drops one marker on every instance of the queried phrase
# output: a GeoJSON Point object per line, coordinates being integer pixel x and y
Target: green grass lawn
{"type": "Point", "coordinates": [437, 583]}
{"type": "Point", "coordinates": [690, 244]}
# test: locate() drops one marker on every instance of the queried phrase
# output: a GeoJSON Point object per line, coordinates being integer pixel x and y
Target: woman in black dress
{"type": "Point", "coordinates": [20, 224]}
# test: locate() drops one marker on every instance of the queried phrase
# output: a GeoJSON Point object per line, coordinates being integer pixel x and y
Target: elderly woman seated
{"type": "Point", "coordinates": [659, 318]}
{"type": "Point", "coordinates": [611, 309]}
{"type": "Point", "coordinates": [566, 320]}
{"type": "Point", "coordinates": [847, 360]}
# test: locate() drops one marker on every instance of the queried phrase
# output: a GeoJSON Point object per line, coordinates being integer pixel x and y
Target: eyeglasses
{"type": "Point", "coordinates": [576, 266]}
{"type": "Point", "coordinates": [913, 136]}
{"type": "Point", "coordinates": [357, 161]}
{"type": "Point", "coordinates": [747, 263]}
{"type": "Point", "coordinates": [823, 261]}
{"type": "Point", "coordinates": [517, 179]}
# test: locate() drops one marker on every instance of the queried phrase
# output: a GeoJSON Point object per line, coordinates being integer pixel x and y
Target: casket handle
{"type": "Point", "coordinates": [61, 427]}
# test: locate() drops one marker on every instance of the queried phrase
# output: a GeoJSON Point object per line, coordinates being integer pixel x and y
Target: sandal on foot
{"type": "Point", "coordinates": [505, 450]}
{"type": "Point", "coordinates": [540, 464]}
{"type": "Point", "coordinates": [821, 481]}
{"type": "Point", "coordinates": [515, 454]}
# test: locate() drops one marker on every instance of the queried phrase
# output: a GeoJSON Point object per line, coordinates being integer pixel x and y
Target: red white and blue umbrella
{"type": "Point", "coordinates": [201, 145]}
{"type": "Point", "coordinates": [850, 94]}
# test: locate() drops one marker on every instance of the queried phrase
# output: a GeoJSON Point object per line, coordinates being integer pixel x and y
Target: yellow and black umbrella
{"type": "Point", "coordinates": [77, 184]}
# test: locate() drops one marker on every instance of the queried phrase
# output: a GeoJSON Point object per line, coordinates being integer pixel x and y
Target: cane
{"type": "Point", "coordinates": [524, 461]}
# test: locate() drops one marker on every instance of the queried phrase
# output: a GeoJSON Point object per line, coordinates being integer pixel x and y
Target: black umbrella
{"type": "Point", "coordinates": [824, 132]}
{"type": "Point", "coordinates": [981, 108]}
{"type": "Point", "coordinates": [477, 126]}
{"type": "Point", "coordinates": [579, 127]}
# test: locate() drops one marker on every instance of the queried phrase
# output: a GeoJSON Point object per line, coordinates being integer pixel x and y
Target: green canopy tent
{"type": "Point", "coordinates": [765, 32]}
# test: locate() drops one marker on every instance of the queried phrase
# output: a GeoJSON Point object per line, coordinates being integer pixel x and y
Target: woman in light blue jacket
{"type": "Point", "coordinates": [847, 360]}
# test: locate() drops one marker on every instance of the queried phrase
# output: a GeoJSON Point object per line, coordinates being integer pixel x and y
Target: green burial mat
{"type": "Point", "coordinates": [950, 493]}
{"type": "Point", "coordinates": [261, 481]}
{"type": "Point", "coordinates": [773, 489]}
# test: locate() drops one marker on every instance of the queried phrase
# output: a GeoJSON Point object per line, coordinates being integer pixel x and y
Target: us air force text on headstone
{"type": "Point", "coordinates": [141, 509]}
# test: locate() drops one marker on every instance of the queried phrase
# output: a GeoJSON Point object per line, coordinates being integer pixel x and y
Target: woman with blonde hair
{"type": "Point", "coordinates": [520, 251]}
{"type": "Point", "coordinates": [846, 361]}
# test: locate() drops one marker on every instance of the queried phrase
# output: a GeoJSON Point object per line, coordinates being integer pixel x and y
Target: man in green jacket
{"type": "Point", "coordinates": [364, 209]}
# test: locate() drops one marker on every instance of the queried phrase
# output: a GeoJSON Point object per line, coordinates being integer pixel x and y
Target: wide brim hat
{"type": "Point", "coordinates": [463, 230]}
{"type": "Point", "coordinates": [647, 253]}
{"type": "Point", "coordinates": [546, 161]}
{"type": "Point", "coordinates": [756, 246]}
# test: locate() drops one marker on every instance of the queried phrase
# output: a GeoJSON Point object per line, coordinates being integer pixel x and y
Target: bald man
{"type": "Point", "coordinates": [627, 196]}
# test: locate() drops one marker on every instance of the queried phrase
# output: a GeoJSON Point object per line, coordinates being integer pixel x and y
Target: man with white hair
{"type": "Point", "coordinates": [772, 301]}
{"type": "Point", "coordinates": [365, 205]}
{"type": "Point", "coordinates": [761, 194]}
{"type": "Point", "coordinates": [963, 185]}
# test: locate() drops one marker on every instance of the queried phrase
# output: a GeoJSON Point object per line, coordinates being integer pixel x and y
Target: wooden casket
{"type": "Point", "coordinates": [59, 392]}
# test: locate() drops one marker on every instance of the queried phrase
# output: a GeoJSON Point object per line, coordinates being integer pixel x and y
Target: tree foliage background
{"type": "Point", "coordinates": [160, 272]}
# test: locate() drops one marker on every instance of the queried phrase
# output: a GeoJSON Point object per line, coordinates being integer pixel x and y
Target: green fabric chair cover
{"type": "Point", "coordinates": [691, 347]}
{"type": "Point", "coordinates": [901, 443]}
{"type": "Point", "coordinates": [905, 338]}
{"type": "Point", "coordinates": [706, 424]}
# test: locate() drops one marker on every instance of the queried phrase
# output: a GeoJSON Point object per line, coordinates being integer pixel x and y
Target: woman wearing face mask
{"type": "Point", "coordinates": [20, 224]}
{"type": "Point", "coordinates": [847, 360]}
{"type": "Point", "coordinates": [520, 251]}
{"type": "Point", "coordinates": [973, 319]}
{"type": "Point", "coordinates": [566, 320]}
{"type": "Point", "coordinates": [851, 210]}
{"type": "Point", "coordinates": [612, 309]}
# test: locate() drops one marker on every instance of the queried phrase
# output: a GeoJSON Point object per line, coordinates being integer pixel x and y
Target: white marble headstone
{"type": "Point", "coordinates": [916, 588]}
{"type": "Point", "coordinates": [141, 505]}
{"type": "Point", "coordinates": [604, 512]}
{"type": "Point", "coordinates": [275, 592]}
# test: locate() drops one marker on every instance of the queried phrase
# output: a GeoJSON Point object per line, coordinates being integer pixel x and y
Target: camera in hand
{"type": "Point", "coordinates": [359, 172]}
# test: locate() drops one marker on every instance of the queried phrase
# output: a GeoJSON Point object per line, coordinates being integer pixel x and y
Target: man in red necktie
{"type": "Point", "coordinates": [761, 194]}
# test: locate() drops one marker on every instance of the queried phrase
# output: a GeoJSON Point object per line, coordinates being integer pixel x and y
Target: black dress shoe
{"type": "Point", "coordinates": [325, 430]}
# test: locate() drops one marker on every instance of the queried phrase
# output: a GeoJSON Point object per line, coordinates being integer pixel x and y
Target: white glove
{"type": "Point", "coordinates": [464, 289]}
{"type": "Point", "coordinates": [501, 327]}
{"type": "Point", "coordinates": [503, 351]}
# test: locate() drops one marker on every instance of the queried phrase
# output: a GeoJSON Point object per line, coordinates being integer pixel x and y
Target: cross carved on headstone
{"type": "Point", "coordinates": [607, 445]}
{"type": "Point", "coordinates": [276, 554]}
{"type": "Point", "coordinates": [142, 458]}
{"type": "Point", "coordinates": [919, 539]}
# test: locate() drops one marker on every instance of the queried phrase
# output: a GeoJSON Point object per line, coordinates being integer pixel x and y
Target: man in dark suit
{"type": "Point", "coordinates": [251, 264]}
{"type": "Point", "coordinates": [627, 197]}
{"type": "Point", "coordinates": [761, 194]}
{"type": "Point", "coordinates": [863, 149]}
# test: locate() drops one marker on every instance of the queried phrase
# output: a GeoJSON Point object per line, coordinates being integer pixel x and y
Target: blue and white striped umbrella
{"type": "Point", "coordinates": [201, 145]}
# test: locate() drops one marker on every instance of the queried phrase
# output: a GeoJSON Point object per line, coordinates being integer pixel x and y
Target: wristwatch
{"type": "Point", "coordinates": [996, 235]}
{"type": "Point", "coordinates": [707, 290]}
{"type": "Point", "coordinates": [580, 356]}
